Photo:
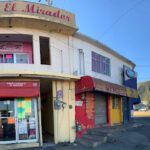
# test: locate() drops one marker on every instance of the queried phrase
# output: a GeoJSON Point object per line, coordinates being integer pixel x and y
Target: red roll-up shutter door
{"type": "Point", "coordinates": [19, 89]}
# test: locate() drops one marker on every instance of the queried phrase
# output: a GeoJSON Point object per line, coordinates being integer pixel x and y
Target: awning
{"type": "Point", "coordinates": [87, 83]}
{"type": "Point", "coordinates": [135, 100]}
{"type": "Point", "coordinates": [19, 89]}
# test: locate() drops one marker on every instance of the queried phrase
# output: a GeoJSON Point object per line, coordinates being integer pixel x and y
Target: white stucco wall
{"type": "Point", "coordinates": [58, 43]}
{"type": "Point", "coordinates": [116, 64]}
{"type": "Point", "coordinates": [67, 47]}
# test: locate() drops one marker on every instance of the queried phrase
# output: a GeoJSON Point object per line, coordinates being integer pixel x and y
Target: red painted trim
{"type": "Point", "coordinates": [84, 84]}
{"type": "Point", "coordinates": [87, 83]}
{"type": "Point", "coordinates": [19, 89]}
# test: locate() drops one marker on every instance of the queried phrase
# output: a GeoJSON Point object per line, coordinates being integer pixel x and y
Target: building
{"type": "Point", "coordinates": [42, 59]}
{"type": "Point", "coordinates": [102, 98]}
{"type": "Point", "coordinates": [37, 85]}
{"type": "Point", "coordinates": [129, 80]}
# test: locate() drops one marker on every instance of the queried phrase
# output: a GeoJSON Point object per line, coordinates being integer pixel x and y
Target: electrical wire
{"type": "Point", "coordinates": [120, 17]}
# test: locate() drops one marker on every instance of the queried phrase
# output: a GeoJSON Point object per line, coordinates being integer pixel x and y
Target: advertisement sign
{"type": "Point", "coordinates": [60, 94]}
{"type": "Point", "coordinates": [36, 11]}
{"type": "Point", "coordinates": [11, 46]}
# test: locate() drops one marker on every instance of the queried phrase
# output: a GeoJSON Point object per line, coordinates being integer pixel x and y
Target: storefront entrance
{"type": "Point", "coordinates": [18, 120]}
{"type": "Point", "coordinates": [47, 111]}
{"type": "Point", "coordinates": [126, 109]}
{"type": "Point", "coordinates": [100, 108]}
{"type": "Point", "coordinates": [116, 109]}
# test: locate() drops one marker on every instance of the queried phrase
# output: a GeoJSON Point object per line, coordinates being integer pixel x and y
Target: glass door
{"type": "Point", "coordinates": [7, 121]}
{"type": "Point", "coordinates": [26, 120]}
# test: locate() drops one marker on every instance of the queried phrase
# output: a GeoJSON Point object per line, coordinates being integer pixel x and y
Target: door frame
{"type": "Point", "coordinates": [13, 141]}
{"type": "Point", "coordinates": [17, 126]}
{"type": "Point", "coordinates": [36, 124]}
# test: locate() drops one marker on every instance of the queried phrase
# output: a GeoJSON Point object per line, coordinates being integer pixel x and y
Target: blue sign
{"type": "Point", "coordinates": [130, 73]}
{"type": "Point", "coordinates": [60, 94]}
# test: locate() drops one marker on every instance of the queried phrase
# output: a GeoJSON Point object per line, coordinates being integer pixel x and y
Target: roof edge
{"type": "Point", "coordinates": [102, 46]}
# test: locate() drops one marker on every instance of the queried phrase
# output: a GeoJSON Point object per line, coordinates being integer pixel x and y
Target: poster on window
{"type": "Point", "coordinates": [32, 128]}
{"type": "Point", "coordinates": [31, 123]}
{"type": "Point", "coordinates": [23, 132]}
{"type": "Point", "coordinates": [22, 126]}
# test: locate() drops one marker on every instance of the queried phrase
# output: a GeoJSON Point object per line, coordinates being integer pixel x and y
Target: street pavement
{"type": "Point", "coordinates": [132, 139]}
{"type": "Point", "coordinates": [132, 136]}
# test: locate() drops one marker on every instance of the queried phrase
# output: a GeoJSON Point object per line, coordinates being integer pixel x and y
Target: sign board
{"type": "Point", "coordinates": [11, 46]}
{"type": "Point", "coordinates": [60, 94]}
{"type": "Point", "coordinates": [36, 11]}
{"type": "Point", "coordinates": [131, 73]}
{"type": "Point", "coordinates": [79, 103]}
{"type": "Point", "coordinates": [108, 87]}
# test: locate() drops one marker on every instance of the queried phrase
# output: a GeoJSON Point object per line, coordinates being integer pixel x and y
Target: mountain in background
{"type": "Point", "coordinates": [144, 91]}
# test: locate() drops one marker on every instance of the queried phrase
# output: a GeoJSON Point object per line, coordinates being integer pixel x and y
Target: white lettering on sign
{"type": "Point", "coordinates": [12, 84]}
{"type": "Point", "coordinates": [79, 103]}
{"type": "Point", "coordinates": [35, 84]}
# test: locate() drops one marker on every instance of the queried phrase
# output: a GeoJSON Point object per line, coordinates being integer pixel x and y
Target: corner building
{"type": "Point", "coordinates": [52, 79]}
{"type": "Point", "coordinates": [37, 85]}
{"type": "Point", "coordinates": [102, 98]}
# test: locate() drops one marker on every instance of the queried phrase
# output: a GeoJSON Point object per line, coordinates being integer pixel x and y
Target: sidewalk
{"type": "Point", "coordinates": [93, 138]}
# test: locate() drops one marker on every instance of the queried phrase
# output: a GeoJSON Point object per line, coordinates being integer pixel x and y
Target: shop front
{"type": "Point", "coordinates": [115, 109]}
{"type": "Point", "coordinates": [18, 112]}
{"type": "Point", "coordinates": [104, 107]}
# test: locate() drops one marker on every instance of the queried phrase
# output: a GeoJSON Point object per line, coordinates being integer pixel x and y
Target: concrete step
{"type": "Point", "coordinates": [96, 132]}
{"type": "Point", "coordinates": [92, 141]}
{"type": "Point", "coordinates": [95, 137]}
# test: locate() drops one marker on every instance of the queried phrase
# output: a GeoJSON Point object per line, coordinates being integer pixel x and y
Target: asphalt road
{"type": "Point", "coordinates": [134, 139]}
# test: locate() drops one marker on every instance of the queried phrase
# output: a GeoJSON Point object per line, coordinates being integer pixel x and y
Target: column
{"type": "Point", "coordinates": [36, 50]}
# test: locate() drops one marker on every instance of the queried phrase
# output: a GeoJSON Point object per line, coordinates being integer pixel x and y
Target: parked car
{"type": "Point", "coordinates": [143, 109]}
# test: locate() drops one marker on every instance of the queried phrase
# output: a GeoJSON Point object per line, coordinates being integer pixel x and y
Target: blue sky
{"type": "Point", "coordinates": [123, 25]}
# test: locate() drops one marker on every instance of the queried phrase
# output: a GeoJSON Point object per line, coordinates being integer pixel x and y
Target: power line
{"type": "Point", "coordinates": [120, 17]}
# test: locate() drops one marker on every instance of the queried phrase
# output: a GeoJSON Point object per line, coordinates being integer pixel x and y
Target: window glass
{"type": "Point", "coordinates": [22, 58]}
{"type": "Point", "coordinates": [9, 58]}
{"type": "Point", "coordinates": [100, 64]}
{"type": "Point", "coordinates": [7, 120]}
{"type": "Point", "coordinates": [26, 119]}
{"type": "Point", "coordinates": [1, 58]}
{"type": "Point", "coordinates": [6, 108]}
{"type": "Point", "coordinates": [7, 130]}
{"type": "Point", "coordinates": [115, 102]}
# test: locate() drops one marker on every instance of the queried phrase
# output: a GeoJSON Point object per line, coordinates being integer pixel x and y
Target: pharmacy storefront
{"type": "Point", "coordinates": [18, 112]}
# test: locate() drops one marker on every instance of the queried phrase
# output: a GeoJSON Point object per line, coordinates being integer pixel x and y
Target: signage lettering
{"type": "Point", "coordinates": [10, 7]}
{"type": "Point", "coordinates": [35, 9]}
{"type": "Point", "coordinates": [11, 46]}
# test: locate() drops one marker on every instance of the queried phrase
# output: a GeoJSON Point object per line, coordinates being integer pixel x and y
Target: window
{"type": "Point", "coordinates": [45, 51]}
{"type": "Point", "coordinates": [115, 102]}
{"type": "Point", "coordinates": [21, 58]}
{"type": "Point", "coordinates": [100, 64]}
